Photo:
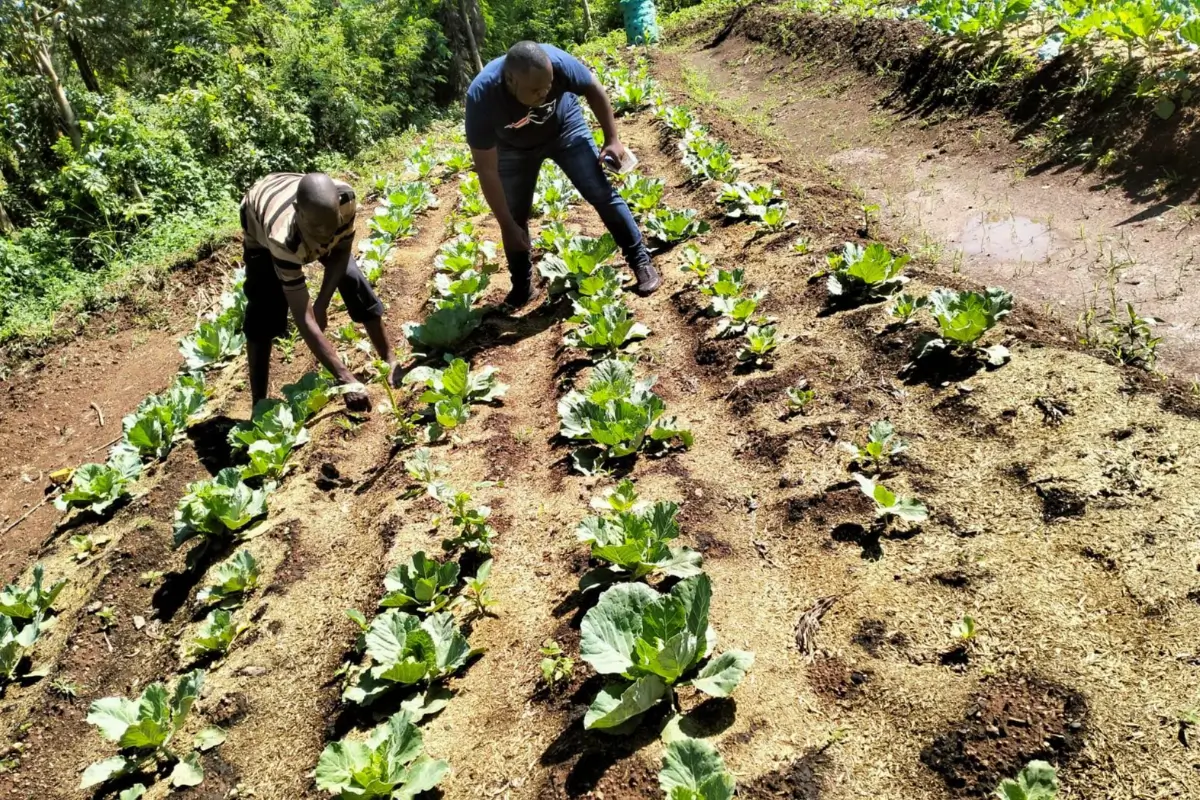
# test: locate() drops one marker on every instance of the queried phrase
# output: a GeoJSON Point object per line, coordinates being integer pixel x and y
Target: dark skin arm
{"type": "Point", "coordinates": [597, 100]}
{"type": "Point", "coordinates": [306, 323]}
{"type": "Point", "coordinates": [334, 270]}
{"type": "Point", "coordinates": [487, 165]}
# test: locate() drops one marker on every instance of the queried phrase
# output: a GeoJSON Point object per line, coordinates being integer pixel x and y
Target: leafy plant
{"type": "Point", "coordinates": [162, 420]}
{"type": "Point", "coordinates": [454, 316]}
{"type": "Point", "coordinates": [695, 263]}
{"type": "Point", "coordinates": [774, 218]}
{"type": "Point", "coordinates": [97, 487]}
{"type": "Point", "coordinates": [678, 119]}
{"type": "Point", "coordinates": [760, 345]}
{"type": "Point", "coordinates": [406, 651]}
{"type": "Point", "coordinates": [881, 447]}
{"type": "Point", "coordinates": [556, 668]}
{"type": "Point", "coordinates": [389, 764]}
{"type": "Point", "coordinates": [422, 468]}
{"type": "Point", "coordinates": [465, 253]}
{"type": "Point", "coordinates": [217, 508]}
{"type": "Point", "coordinates": [609, 328]}
{"type": "Point", "coordinates": [888, 504]}
{"type": "Point", "coordinates": [743, 200]}
{"type": "Point", "coordinates": [672, 225]}
{"type": "Point", "coordinates": [32, 602]}
{"type": "Point", "coordinates": [634, 540]}
{"type": "Point", "coordinates": [86, 544]}
{"type": "Point", "coordinates": [422, 583]}
{"type": "Point", "coordinates": [864, 271]}
{"type": "Point", "coordinates": [616, 414]}
{"type": "Point", "coordinates": [143, 729]}
{"type": "Point", "coordinates": [739, 316]}
{"type": "Point", "coordinates": [456, 161]}
{"type": "Point", "coordinates": [268, 439]}
{"type": "Point", "coordinates": [799, 397]}
{"type": "Point", "coordinates": [470, 522]}
{"type": "Point", "coordinates": [554, 237]}
{"type": "Point", "coordinates": [476, 591]}
{"type": "Point", "coordinates": [404, 424]}
{"type": "Point", "coordinates": [631, 95]}
{"type": "Point", "coordinates": [693, 770]}
{"type": "Point", "coordinates": [310, 394]}
{"type": "Point", "coordinates": [708, 159]}
{"type": "Point", "coordinates": [450, 391]}
{"type": "Point", "coordinates": [802, 246]}
{"type": "Point", "coordinates": [215, 635]}
{"type": "Point", "coordinates": [964, 629]}
{"type": "Point", "coordinates": [963, 318]}
{"type": "Point", "coordinates": [231, 581]}
{"type": "Point", "coordinates": [650, 643]}
{"type": "Point", "coordinates": [642, 194]}
{"type": "Point", "coordinates": [579, 258]}
{"type": "Point", "coordinates": [904, 306]}
{"type": "Point", "coordinates": [15, 642]}
{"type": "Point", "coordinates": [212, 343]}
{"type": "Point", "coordinates": [725, 291]}
{"type": "Point", "coordinates": [1037, 781]}
{"type": "Point", "coordinates": [1130, 338]}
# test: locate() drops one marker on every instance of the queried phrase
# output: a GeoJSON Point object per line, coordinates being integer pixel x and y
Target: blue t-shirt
{"type": "Point", "coordinates": [496, 118]}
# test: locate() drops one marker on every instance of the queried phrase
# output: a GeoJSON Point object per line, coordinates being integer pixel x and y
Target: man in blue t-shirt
{"type": "Point", "coordinates": [521, 110]}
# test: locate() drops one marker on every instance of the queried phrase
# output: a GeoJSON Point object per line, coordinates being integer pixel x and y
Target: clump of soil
{"type": "Point", "coordinates": [1059, 502]}
{"type": "Point", "coordinates": [1013, 722]}
{"type": "Point", "coordinates": [801, 779]}
{"type": "Point", "coordinates": [872, 636]}
{"type": "Point", "coordinates": [835, 680]}
{"type": "Point", "coordinates": [767, 447]}
{"type": "Point", "coordinates": [744, 398]}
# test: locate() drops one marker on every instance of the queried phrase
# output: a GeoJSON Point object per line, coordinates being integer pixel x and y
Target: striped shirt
{"type": "Point", "coordinates": [269, 222]}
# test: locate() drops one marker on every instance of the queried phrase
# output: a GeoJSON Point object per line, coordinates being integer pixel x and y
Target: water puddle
{"type": "Point", "coordinates": [1010, 239]}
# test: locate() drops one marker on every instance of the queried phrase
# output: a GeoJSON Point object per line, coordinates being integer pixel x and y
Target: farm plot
{"type": "Point", "coordinates": [920, 573]}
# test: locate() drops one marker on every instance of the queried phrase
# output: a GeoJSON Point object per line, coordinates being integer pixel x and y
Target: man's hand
{"type": "Point", "coordinates": [614, 151]}
{"type": "Point", "coordinates": [516, 239]}
{"type": "Point", "coordinates": [321, 312]}
{"type": "Point", "coordinates": [358, 400]}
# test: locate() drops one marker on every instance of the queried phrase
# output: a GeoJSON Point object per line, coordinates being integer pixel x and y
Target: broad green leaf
{"type": "Point", "coordinates": [619, 703]}
{"type": "Point", "coordinates": [106, 770]}
{"type": "Point", "coordinates": [719, 677]}
{"type": "Point", "coordinates": [694, 766]}
{"type": "Point", "coordinates": [208, 738]}
{"type": "Point", "coordinates": [188, 771]}
{"type": "Point", "coordinates": [611, 627]}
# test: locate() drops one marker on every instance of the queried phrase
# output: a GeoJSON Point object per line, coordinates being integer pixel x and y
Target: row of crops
{"type": "Point", "coordinates": [648, 630]}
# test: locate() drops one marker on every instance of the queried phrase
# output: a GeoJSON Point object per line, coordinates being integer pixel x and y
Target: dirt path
{"type": "Point", "coordinates": [960, 191]}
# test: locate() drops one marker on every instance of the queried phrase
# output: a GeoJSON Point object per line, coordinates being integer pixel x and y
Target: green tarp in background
{"type": "Point", "coordinates": [641, 21]}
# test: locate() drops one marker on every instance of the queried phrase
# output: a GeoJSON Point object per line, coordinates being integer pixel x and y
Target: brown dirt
{"type": "Point", "coordinates": [1120, 637]}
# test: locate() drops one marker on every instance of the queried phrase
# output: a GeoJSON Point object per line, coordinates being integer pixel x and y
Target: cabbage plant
{"type": "Point", "coordinates": [634, 539]}
{"type": "Point", "coordinates": [97, 487]}
{"type": "Point", "coordinates": [21, 603]}
{"type": "Point", "coordinates": [215, 635]}
{"type": "Point", "coordinates": [650, 644]}
{"type": "Point", "coordinates": [390, 763]}
{"type": "Point", "coordinates": [218, 508]}
{"type": "Point", "coordinates": [608, 328]}
{"type": "Point", "coordinates": [760, 346]}
{"type": "Point", "coordinates": [673, 225]}
{"type": "Point", "coordinates": [231, 581]}
{"type": "Point", "coordinates": [162, 420]}
{"type": "Point", "coordinates": [421, 583]}
{"type": "Point", "coordinates": [963, 318]}
{"type": "Point", "coordinates": [579, 258]}
{"type": "Point", "coordinates": [881, 447]}
{"type": "Point", "coordinates": [213, 343]}
{"type": "Point", "coordinates": [692, 769]}
{"type": "Point", "coordinates": [404, 651]}
{"type": "Point", "coordinates": [889, 505]}
{"type": "Point", "coordinates": [743, 200]}
{"type": "Point", "coordinates": [864, 272]}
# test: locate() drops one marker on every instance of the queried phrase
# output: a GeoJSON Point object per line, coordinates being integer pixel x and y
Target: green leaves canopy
{"type": "Point", "coordinates": [97, 486]}
{"type": "Point", "coordinates": [651, 641]}
{"type": "Point", "coordinates": [404, 650]}
{"type": "Point", "coordinates": [389, 764]}
{"type": "Point", "coordinates": [693, 770]}
{"type": "Point", "coordinates": [423, 583]}
{"type": "Point", "coordinates": [218, 507]}
{"type": "Point", "coordinates": [869, 271]}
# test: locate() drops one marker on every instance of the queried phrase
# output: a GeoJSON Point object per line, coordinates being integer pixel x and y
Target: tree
{"type": "Point", "coordinates": [30, 29]}
{"type": "Point", "coordinates": [462, 22]}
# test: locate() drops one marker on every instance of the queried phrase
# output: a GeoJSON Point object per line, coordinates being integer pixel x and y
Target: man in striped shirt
{"type": "Point", "coordinates": [290, 220]}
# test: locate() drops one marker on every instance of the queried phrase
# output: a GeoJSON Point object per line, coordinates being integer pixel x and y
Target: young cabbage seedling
{"type": "Point", "coordinates": [231, 581]}
{"type": "Point", "coordinates": [695, 263]}
{"type": "Point", "coordinates": [774, 218]}
{"type": "Point", "coordinates": [556, 668]}
{"type": "Point", "coordinates": [692, 769]}
{"type": "Point", "coordinates": [1037, 781]}
{"type": "Point", "coordinates": [216, 635]}
{"type": "Point", "coordinates": [881, 447]}
{"type": "Point", "coordinates": [798, 398]}
{"type": "Point", "coordinates": [422, 584]}
{"type": "Point", "coordinates": [904, 307]}
{"type": "Point", "coordinates": [389, 765]}
{"type": "Point", "coordinates": [477, 593]}
{"type": "Point", "coordinates": [963, 318]}
{"type": "Point", "coordinates": [964, 629]}
{"type": "Point", "coordinates": [888, 505]}
{"type": "Point", "coordinates": [802, 246]}
{"type": "Point", "coordinates": [869, 272]}
{"type": "Point", "coordinates": [672, 225]}
{"type": "Point", "coordinates": [760, 345]}
{"type": "Point", "coordinates": [85, 545]}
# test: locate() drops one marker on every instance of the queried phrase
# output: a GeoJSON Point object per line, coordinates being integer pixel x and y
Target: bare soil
{"type": "Point", "coordinates": [1082, 618]}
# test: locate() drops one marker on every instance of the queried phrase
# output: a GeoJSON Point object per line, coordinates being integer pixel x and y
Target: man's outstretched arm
{"type": "Point", "coordinates": [306, 323]}
{"type": "Point", "coordinates": [487, 166]}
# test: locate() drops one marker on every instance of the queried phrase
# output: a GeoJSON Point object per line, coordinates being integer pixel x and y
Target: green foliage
{"type": "Point", "coordinates": [1037, 781]}
{"type": "Point", "coordinates": [868, 271]}
{"type": "Point", "coordinates": [650, 642]}
{"type": "Point", "coordinates": [162, 420]}
{"type": "Point", "coordinates": [406, 651]}
{"type": "Point", "coordinates": [882, 446]}
{"type": "Point", "coordinates": [1129, 338]}
{"type": "Point", "coordinates": [231, 581]}
{"type": "Point", "coordinates": [218, 508]}
{"type": "Point", "coordinates": [672, 225]}
{"type": "Point", "coordinates": [888, 505]}
{"type": "Point", "coordinates": [904, 306]}
{"type": "Point", "coordinates": [476, 591]}
{"type": "Point", "coordinates": [963, 318]}
{"type": "Point", "coordinates": [16, 639]}
{"type": "Point", "coordinates": [578, 257]}
{"type": "Point", "coordinates": [143, 728]}
{"type": "Point", "coordinates": [27, 603]}
{"type": "Point", "coordinates": [692, 769]}
{"type": "Point", "coordinates": [468, 520]}
{"type": "Point", "coordinates": [634, 539]}
{"type": "Point", "coordinates": [215, 635]}
{"type": "Point", "coordinates": [706, 158]}
{"type": "Point", "coordinates": [615, 416]}
{"type": "Point", "coordinates": [642, 194]}
{"type": "Point", "coordinates": [606, 327]}
{"type": "Point", "coordinates": [760, 345]}
{"type": "Point", "coordinates": [422, 583]}
{"type": "Point", "coordinates": [465, 253]}
{"type": "Point", "coordinates": [450, 391]}
{"type": "Point", "coordinates": [97, 487]}
{"type": "Point", "coordinates": [748, 201]}
{"type": "Point", "coordinates": [556, 668]}
{"type": "Point", "coordinates": [389, 764]}
{"type": "Point", "coordinates": [695, 263]}
{"type": "Point", "coordinates": [798, 398]}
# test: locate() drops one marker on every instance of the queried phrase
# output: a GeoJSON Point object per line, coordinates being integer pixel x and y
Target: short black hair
{"type": "Point", "coordinates": [525, 57]}
{"type": "Point", "coordinates": [317, 191]}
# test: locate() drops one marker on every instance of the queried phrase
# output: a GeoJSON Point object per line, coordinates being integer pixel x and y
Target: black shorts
{"type": "Point", "coordinates": [267, 306]}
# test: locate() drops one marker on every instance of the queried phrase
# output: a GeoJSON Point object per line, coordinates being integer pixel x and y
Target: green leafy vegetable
{"type": "Point", "coordinates": [579, 258]}
{"type": "Point", "coordinates": [760, 345]}
{"type": "Point", "coordinates": [15, 642]}
{"type": "Point", "coordinates": [556, 668]}
{"type": "Point", "coordinates": [672, 225]}
{"type": "Point", "coordinates": [746, 200]}
{"type": "Point", "coordinates": [904, 306]}
{"type": "Point", "coordinates": [162, 420]}
{"type": "Point", "coordinates": [216, 634]}
{"type": "Point", "coordinates": [881, 447]}
{"type": "Point", "coordinates": [616, 414]}
{"type": "Point", "coordinates": [651, 642]}
{"type": "Point", "coordinates": [389, 764]}
{"type": "Point", "coordinates": [963, 318]}
{"type": "Point", "coordinates": [142, 728]}
{"type": "Point", "coordinates": [214, 342]}
{"type": "Point", "coordinates": [634, 540]}
{"type": "Point", "coordinates": [217, 508]}
{"type": "Point", "coordinates": [693, 770]}
{"type": "Point", "coordinates": [405, 651]}
{"type": "Point", "coordinates": [888, 505]}
{"type": "Point", "coordinates": [864, 272]}
{"type": "Point", "coordinates": [1037, 781]}
{"type": "Point", "coordinates": [423, 583]}
{"type": "Point", "coordinates": [34, 601]}
{"type": "Point", "coordinates": [609, 328]}
{"type": "Point", "coordinates": [232, 580]}
{"type": "Point", "coordinates": [97, 487]}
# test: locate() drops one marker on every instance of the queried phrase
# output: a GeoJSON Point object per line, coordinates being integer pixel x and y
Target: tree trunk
{"type": "Point", "coordinates": [6, 226]}
{"type": "Point", "coordinates": [462, 4]}
{"type": "Point", "coordinates": [58, 94]}
{"type": "Point", "coordinates": [85, 67]}
{"type": "Point", "coordinates": [587, 19]}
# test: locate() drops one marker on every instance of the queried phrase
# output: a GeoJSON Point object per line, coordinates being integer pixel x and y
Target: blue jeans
{"type": "Point", "coordinates": [576, 154]}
